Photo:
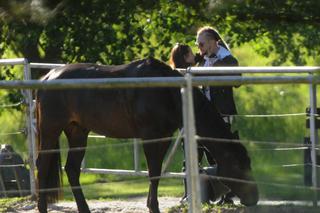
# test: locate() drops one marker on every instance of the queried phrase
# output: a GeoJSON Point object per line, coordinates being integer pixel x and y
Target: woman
{"type": "Point", "coordinates": [181, 56]}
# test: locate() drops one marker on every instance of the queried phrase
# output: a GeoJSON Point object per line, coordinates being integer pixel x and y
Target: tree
{"type": "Point", "coordinates": [287, 27]}
{"type": "Point", "coordinates": [115, 32]}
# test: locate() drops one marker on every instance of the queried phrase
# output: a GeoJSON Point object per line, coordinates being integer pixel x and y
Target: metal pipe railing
{"type": "Point", "coordinates": [45, 65]}
{"type": "Point", "coordinates": [15, 61]}
{"type": "Point", "coordinates": [30, 129]}
{"type": "Point", "coordinates": [108, 83]}
{"type": "Point", "coordinates": [251, 70]}
{"type": "Point", "coordinates": [313, 138]}
{"type": "Point", "coordinates": [192, 167]}
{"type": "Point", "coordinates": [186, 83]}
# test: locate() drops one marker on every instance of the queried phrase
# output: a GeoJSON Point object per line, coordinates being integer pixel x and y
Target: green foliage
{"type": "Point", "coordinates": [291, 26]}
{"type": "Point", "coordinates": [272, 100]}
{"type": "Point", "coordinates": [116, 32]}
{"type": "Point", "coordinates": [260, 33]}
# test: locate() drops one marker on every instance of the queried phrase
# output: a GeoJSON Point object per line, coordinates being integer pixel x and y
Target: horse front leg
{"type": "Point", "coordinates": [154, 153]}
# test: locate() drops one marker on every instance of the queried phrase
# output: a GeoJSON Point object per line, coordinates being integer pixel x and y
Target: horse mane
{"type": "Point", "coordinates": [153, 67]}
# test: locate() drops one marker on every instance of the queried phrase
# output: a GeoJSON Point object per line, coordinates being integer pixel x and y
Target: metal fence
{"type": "Point", "coordinates": [186, 83]}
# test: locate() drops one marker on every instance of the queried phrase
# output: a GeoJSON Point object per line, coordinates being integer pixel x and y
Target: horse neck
{"type": "Point", "coordinates": [215, 132]}
{"type": "Point", "coordinates": [209, 122]}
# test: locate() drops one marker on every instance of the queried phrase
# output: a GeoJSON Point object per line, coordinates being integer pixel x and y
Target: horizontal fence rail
{"type": "Point", "coordinates": [15, 61]}
{"type": "Point", "coordinates": [250, 70]}
{"type": "Point", "coordinates": [130, 172]}
{"type": "Point", "coordinates": [45, 65]}
{"type": "Point", "coordinates": [154, 82]}
{"type": "Point", "coordinates": [169, 82]}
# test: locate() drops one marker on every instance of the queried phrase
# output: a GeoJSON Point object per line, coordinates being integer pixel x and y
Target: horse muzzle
{"type": "Point", "coordinates": [251, 195]}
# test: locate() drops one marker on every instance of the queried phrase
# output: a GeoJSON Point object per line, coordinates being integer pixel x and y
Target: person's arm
{"type": "Point", "coordinates": [228, 61]}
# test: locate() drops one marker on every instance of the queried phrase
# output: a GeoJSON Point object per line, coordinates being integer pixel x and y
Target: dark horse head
{"type": "Point", "coordinates": [147, 113]}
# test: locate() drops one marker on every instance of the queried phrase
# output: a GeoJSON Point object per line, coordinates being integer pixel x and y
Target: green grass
{"type": "Point", "coordinates": [8, 203]}
{"type": "Point", "coordinates": [108, 187]}
{"type": "Point", "coordinates": [239, 208]}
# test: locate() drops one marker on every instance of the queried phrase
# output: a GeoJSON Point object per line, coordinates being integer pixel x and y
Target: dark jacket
{"type": "Point", "coordinates": [222, 96]}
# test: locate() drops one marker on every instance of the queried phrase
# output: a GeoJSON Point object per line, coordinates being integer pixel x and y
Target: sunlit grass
{"type": "Point", "coordinates": [108, 187]}
{"type": "Point", "coordinates": [7, 203]}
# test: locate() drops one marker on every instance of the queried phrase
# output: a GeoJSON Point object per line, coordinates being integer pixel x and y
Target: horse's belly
{"type": "Point", "coordinates": [114, 124]}
{"type": "Point", "coordinates": [112, 132]}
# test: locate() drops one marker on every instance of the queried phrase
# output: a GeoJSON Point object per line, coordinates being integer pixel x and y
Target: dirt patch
{"type": "Point", "coordinates": [138, 205]}
{"type": "Point", "coordinates": [134, 205]}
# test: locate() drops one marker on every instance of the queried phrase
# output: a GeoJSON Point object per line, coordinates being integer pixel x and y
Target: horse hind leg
{"type": "Point", "coordinates": [77, 138]}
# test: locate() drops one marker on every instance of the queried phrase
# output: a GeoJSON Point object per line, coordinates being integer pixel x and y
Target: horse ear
{"type": "Point", "coordinates": [143, 63]}
{"type": "Point", "coordinates": [155, 65]}
{"type": "Point", "coordinates": [150, 60]}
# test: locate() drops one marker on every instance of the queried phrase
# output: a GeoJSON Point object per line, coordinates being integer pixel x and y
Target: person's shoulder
{"type": "Point", "coordinates": [230, 60]}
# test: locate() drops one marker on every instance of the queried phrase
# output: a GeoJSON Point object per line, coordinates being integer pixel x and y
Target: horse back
{"type": "Point", "coordinates": [121, 113]}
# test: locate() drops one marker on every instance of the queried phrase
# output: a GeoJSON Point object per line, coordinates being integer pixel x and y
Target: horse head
{"type": "Point", "coordinates": [234, 166]}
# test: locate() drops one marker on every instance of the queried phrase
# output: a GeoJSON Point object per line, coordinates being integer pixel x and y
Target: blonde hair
{"type": "Point", "coordinates": [212, 33]}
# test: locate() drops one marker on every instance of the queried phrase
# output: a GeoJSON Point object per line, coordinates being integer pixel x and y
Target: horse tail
{"type": "Point", "coordinates": [53, 177]}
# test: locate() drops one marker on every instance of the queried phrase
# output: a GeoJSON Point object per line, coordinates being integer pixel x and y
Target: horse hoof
{"type": "Point", "coordinates": [154, 210]}
{"type": "Point", "coordinates": [42, 207]}
{"type": "Point", "coordinates": [42, 210]}
{"type": "Point", "coordinates": [84, 210]}
{"type": "Point", "coordinates": [225, 201]}
{"type": "Point", "coordinates": [251, 203]}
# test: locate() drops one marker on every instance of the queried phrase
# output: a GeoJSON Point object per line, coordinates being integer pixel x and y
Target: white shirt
{"type": "Point", "coordinates": [221, 54]}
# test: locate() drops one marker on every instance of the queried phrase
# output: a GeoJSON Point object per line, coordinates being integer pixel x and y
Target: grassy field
{"type": "Point", "coordinates": [112, 187]}
{"type": "Point", "coordinates": [274, 180]}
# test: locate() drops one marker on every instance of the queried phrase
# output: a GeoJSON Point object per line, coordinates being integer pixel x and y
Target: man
{"type": "Point", "coordinates": [215, 53]}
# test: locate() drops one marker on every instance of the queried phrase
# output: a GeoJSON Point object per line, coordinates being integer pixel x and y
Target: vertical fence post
{"type": "Point", "coordinates": [174, 148]}
{"type": "Point", "coordinates": [313, 138]}
{"type": "Point", "coordinates": [136, 153]}
{"type": "Point", "coordinates": [30, 129]}
{"type": "Point", "coordinates": [191, 153]}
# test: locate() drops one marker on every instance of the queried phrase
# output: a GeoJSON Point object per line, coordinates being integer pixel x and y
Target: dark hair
{"type": "Point", "coordinates": [177, 54]}
{"type": "Point", "coordinates": [212, 33]}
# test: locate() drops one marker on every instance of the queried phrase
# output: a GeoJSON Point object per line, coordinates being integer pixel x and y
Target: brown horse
{"type": "Point", "coordinates": [146, 113]}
